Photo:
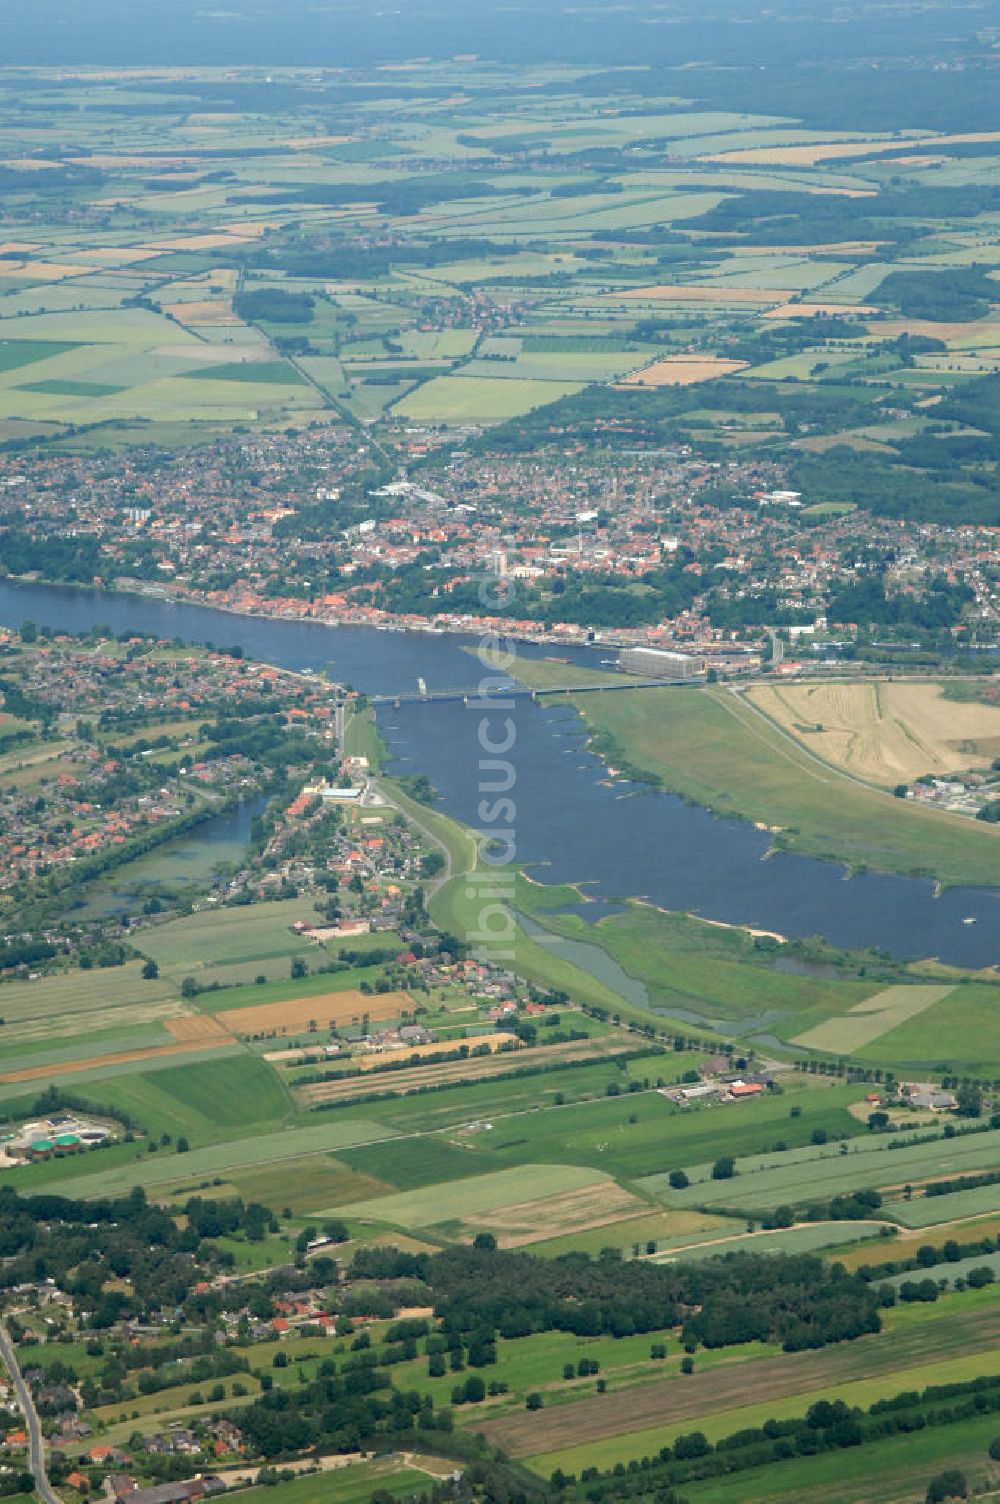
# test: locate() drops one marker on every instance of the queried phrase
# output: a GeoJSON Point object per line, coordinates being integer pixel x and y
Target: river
{"type": "Point", "coordinates": [572, 824]}
{"type": "Point", "coordinates": [379, 662]}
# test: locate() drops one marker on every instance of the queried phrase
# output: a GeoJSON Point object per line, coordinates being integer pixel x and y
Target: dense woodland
{"type": "Point", "coordinates": [799, 1302]}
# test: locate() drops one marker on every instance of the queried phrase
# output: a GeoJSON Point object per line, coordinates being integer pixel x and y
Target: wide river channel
{"type": "Point", "coordinates": [572, 823]}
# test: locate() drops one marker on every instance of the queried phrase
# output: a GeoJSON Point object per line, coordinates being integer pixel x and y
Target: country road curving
{"type": "Point", "coordinates": [33, 1426]}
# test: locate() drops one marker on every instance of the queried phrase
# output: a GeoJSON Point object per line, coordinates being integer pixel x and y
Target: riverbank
{"type": "Point", "coordinates": [574, 823]}
{"type": "Point", "coordinates": [371, 618]}
{"type": "Point", "coordinates": [706, 746]}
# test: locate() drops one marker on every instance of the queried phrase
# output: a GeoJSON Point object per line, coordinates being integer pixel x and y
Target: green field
{"type": "Point", "coordinates": [167, 1168]}
{"type": "Point", "coordinates": [799, 1177]}
{"type": "Point", "coordinates": [353, 1484]}
{"type": "Point", "coordinates": [17, 353]}
{"type": "Point", "coordinates": [242, 935]}
{"type": "Point", "coordinates": [271, 372]}
{"type": "Point", "coordinates": [807, 1239]}
{"type": "Point", "coordinates": [302, 1184]}
{"type": "Point", "coordinates": [77, 991]}
{"type": "Point", "coordinates": [628, 1135]}
{"type": "Point", "coordinates": [960, 1032]}
{"type": "Point", "coordinates": [480, 399]}
{"type": "Point", "coordinates": [463, 1199]}
{"type": "Point", "coordinates": [887, 1012]}
{"type": "Point", "coordinates": [886, 1472]}
{"type": "Point", "coordinates": [237, 1091]}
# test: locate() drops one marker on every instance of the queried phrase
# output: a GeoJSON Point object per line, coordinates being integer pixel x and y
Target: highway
{"type": "Point", "coordinates": [36, 1444]}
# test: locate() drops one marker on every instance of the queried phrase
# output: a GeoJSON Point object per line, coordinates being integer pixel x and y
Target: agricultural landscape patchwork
{"type": "Point", "coordinates": [596, 1097]}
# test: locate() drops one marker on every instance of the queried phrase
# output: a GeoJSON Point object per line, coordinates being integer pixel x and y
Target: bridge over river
{"type": "Point", "coordinates": [513, 690]}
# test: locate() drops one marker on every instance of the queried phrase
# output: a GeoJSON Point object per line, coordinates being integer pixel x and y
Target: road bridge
{"type": "Point", "coordinates": [515, 691]}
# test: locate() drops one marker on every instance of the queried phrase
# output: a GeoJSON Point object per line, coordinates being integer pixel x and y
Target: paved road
{"type": "Point", "coordinates": [36, 1444]}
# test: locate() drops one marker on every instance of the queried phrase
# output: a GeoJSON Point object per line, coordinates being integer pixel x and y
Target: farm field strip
{"type": "Point", "coordinates": [479, 1068]}
{"type": "Point", "coordinates": [893, 1470]}
{"type": "Point", "coordinates": [861, 1391]}
{"type": "Point", "coordinates": [928, 1211]}
{"type": "Point", "coordinates": [261, 1149]}
{"type": "Point", "coordinates": [807, 1238]}
{"type": "Point", "coordinates": [73, 992]}
{"type": "Point", "coordinates": [675, 1399]}
{"type": "Point", "coordinates": [324, 1010]}
{"type": "Point", "coordinates": [521, 1205]}
{"type": "Point", "coordinates": [870, 1019]}
{"type": "Point", "coordinates": [202, 1026]}
{"type": "Point", "coordinates": [240, 934]}
{"type": "Point", "coordinates": [809, 1174]}
{"type": "Point", "coordinates": [37, 1029]}
{"type": "Point", "coordinates": [681, 370]}
{"type": "Point", "coordinates": [121, 1057]}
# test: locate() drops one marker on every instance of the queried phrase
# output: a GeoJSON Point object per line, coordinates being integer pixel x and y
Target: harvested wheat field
{"type": "Point", "coordinates": [831, 248]}
{"type": "Point", "coordinates": [819, 443]}
{"type": "Point", "coordinates": [206, 242]}
{"type": "Point", "coordinates": [329, 1009]}
{"type": "Point", "coordinates": [886, 733]}
{"type": "Point", "coordinates": [828, 151]}
{"type": "Point", "coordinates": [216, 311]}
{"type": "Point", "coordinates": [45, 271]}
{"type": "Point", "coordinates": [202, 1026]}
{"type": "Point", "coordinates": [970, 334]}
{"type": "Point", "coordinates": [116, 255]}
{"type": "Point", "coordinates": [682, 370]}
{"type": "Point", "coordinates": [692, 292]}
{"type": "Point", "coordinates": [828, 310]}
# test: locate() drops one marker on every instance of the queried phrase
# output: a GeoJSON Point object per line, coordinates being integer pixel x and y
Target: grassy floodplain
{"type": "Point", "coordinates": [712, 748]}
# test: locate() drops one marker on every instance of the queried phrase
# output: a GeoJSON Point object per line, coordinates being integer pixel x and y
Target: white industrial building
{"type": "Point", "coordinates": [659, 663]}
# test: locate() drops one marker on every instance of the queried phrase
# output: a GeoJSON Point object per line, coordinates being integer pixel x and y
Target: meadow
{"type": "Point", "coordinates": [960, 1032]}
{"type": "Point", "coordinates": [693, 966]}
{"type": "Point", "coordinates": [869, 1020]}
{"type": "Point", "coordinates": [256, 933]}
